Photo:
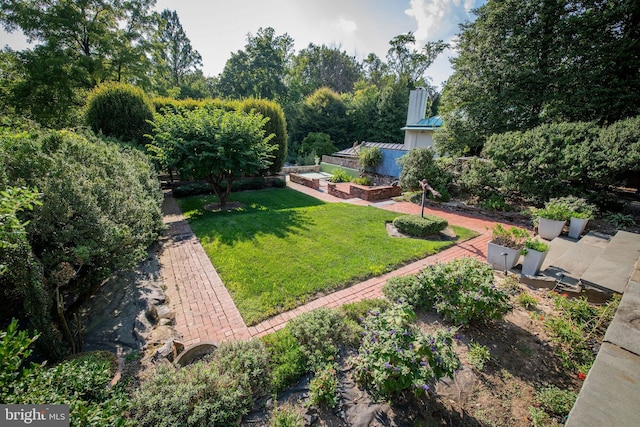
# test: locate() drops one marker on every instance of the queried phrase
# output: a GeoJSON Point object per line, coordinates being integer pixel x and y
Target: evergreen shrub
{"type": "Point", "coordinates": [418, 226]}
{"type": "Point", "coordinates": [121, 111]}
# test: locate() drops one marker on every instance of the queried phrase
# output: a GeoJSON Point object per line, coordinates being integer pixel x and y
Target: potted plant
{"type": "Point", "coordinates": [552, 218]}
{"type": "Point", "coordinates": [504, 248]}
{"type": "Point", "coordinates": [581, 213]}
{"type": "Point", "coordinates": [534, 253]}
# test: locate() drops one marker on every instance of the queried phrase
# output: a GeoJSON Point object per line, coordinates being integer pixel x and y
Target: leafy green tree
{"type": "Point", "coordinates": [322, 111]}
{"type": "Point", "coordinates": [213, 144]}
{"type": "Point", "coordinates": [78, 45]}
{"type": "Point", "coordinates": [258, 71]}
{"type": "Point", "coordinates": [419, 164]}
{"type": "Point", "coordinates": [525, 63]}
{"type": "Point", "coordinates": [173, 56]}
{"type": "Point", "coordinates": [409, 64]}
{"type": "Point", "coordinates": [119, 110]}
{"type": "Point", "coordinates": [322, 66]}
{"type": "Point", "coordinates": [276, 126]}
{"type": "Point", "coordinates": [317, 144]}
{"type": "Point", "coordinates": [362, 111]}
{"type": "Point", "coordinates": [547, 161]}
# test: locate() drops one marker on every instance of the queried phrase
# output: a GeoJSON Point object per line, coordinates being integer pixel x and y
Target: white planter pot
{"type": "Point", "coordinates": [532, 262]}
{"type": "Point", "coordinates": [577, 226]}
{"type": "Point", "coordinates": [549, 229]}
{"type": "Point", "coordinates": [496, 258]}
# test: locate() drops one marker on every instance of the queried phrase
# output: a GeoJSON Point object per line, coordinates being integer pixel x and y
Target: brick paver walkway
{"type": "Point", "coordinates": [203, 308]}
{"type": "Point", "coordinates": [205, 311]}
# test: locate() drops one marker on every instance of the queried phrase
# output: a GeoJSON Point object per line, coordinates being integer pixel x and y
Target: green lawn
{"type": "Point", "coordinates": [283, 247]}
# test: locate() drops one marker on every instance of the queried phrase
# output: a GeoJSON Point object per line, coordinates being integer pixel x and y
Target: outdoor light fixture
{"type": "Point", "coordinates": [504, 254]}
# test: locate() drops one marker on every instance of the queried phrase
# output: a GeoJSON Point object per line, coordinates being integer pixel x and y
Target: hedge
{"type": "Point", "coordinates": [417, 226]}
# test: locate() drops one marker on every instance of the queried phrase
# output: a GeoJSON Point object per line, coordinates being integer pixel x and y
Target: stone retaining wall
{"type": "Point", "coordinates": [375, 193]}
{"type": "Point", "coordinates": [364, 192]}
{"type": "Point", "coordinates": [299, 169]}
{"type": "Point", "coordinates": [341, 161]}
{"type": "Point", "coordinates": [342, 192]}
{"type": "Point", "coordinates": [307, 182]}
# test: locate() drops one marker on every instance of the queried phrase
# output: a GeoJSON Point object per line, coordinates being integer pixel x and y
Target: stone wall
{"type": "Point", "coordinates": [375, 193]}
{"type": "Point", "coordinates": [341, 161]}
{"type": "Point", "coordinates": [307, 182]}
{"type": "Point", "coordinates": [339, 191]}
{"type": "Point", "coordinates": [363, 192]}
{"type": "Point", "coordinates": [299, 169]}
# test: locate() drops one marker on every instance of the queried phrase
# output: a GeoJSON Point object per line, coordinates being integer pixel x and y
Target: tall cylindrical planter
{"type": "Point", "coordinates": [577, 226]}
{"type": "Point", "coordinates": [549, 229]}
{"type": "Point", "coordinates": [532, 262]}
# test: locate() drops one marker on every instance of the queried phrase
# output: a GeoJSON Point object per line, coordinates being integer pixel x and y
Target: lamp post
{"type": "Point", "coordinates": [504, 254]}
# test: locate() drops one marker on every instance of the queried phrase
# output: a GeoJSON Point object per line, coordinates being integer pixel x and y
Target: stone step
{"type": "Point", "coordinates": [596, 260]}
{"type": "Point", "coordinates": [612, 269]}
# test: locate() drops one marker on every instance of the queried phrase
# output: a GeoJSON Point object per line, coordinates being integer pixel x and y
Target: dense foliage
{"type": "Point", "coordinates": [214, 391]}
{"type": "Point", "coordinates": [522, 64]}
{"type": "Point", "coordinates": [420, 226]}
{"type": "Point", "coordinates": [319, 333]}
{"type": "Point", "coordinates": [462, 291]}
{"type": "Point", "coordinates": [81, 382]}
{"type": "Point", "coordinates": [121, 111]}
{"type": "Point", "coordinates": [419, 164]}
{"type": "Point", "coordinates": [100, 210]}
{"type": "Point", "coordinates": [395, 355]}
{"type": "Point", "coordinates": [561, 159]}
{"type": "Point", "coordinates": [213, 144]}
{"type": "Point", "coordinates": [276, 126]}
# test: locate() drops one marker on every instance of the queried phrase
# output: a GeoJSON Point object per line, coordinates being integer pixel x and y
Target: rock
{"type": "Point", "coordinates": [152, 315]}
{"type": "Point", "coordinates": [455, 389]}
{"type": "Point", "coordinates": [164, 312]}
{"type": "Point", "coordinates": [167, 351]}
{"type": "Point", "coordinates": [269, 404]}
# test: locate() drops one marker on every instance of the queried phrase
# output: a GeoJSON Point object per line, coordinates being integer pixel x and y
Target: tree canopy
{"type": "Point", "coordinates": [525, 63]}
{"type": "Point", "coordinates": [213, 144]}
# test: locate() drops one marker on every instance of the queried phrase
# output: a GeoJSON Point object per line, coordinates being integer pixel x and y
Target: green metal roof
{"type": "Point", "coordinates": [430, 123]}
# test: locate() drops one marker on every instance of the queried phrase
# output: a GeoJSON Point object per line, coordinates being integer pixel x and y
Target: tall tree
{"type": "Point", "coordinates": [322, 66]}
{"type": "Point", "coordinates": [174, 57]}
{"type": "Point", "coordinates": [530, 62]}
{"type": "Point", "coordinates": [409, 64]}
{"type": "Point", "coordinates": [78, 45]}
{"type": "Point", "coordinates": [259, 70]}
{"type": "Point", "coordinates": [322, 111]}
{"type": "Point", "coordinates": [213, 144]}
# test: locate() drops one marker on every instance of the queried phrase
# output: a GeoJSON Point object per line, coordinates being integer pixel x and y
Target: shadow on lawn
{"type": "Point", "coordinates": [266, 212]}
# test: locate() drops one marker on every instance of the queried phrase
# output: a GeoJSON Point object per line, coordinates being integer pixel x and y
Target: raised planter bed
{"type": "Point", "coordinates": [307, 182]}
{"type": "Point", "coordinates": [364, 192]}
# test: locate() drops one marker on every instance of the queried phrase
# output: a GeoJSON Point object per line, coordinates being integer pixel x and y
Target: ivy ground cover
{"type": "Point", "coordinates": [282, 247]}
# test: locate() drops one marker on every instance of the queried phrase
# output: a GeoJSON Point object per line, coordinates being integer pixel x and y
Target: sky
{"type": "Point", "coordinates": [216, 29]}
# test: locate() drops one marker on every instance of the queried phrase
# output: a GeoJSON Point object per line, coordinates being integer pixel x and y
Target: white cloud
{"type": "Point", "coordinates": [439, 19]}
{"type": "Point", "coordinates": [347, 26]}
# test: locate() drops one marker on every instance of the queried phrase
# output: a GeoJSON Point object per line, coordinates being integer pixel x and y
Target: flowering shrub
{"type": "Point", "coordinates": [319, 333]}
{"type": "Point", "coordinates": [395, 355]}
{"type": "Point", "coordinates": [323, 388]}
{"type": "Point", "coordinates": [405, 288]}
{"type": "Point", "coordinates": [463, 292]}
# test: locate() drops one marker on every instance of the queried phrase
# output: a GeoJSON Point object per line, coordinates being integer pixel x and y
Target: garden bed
{"type": "Point", "coordinates": [521, 384]}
